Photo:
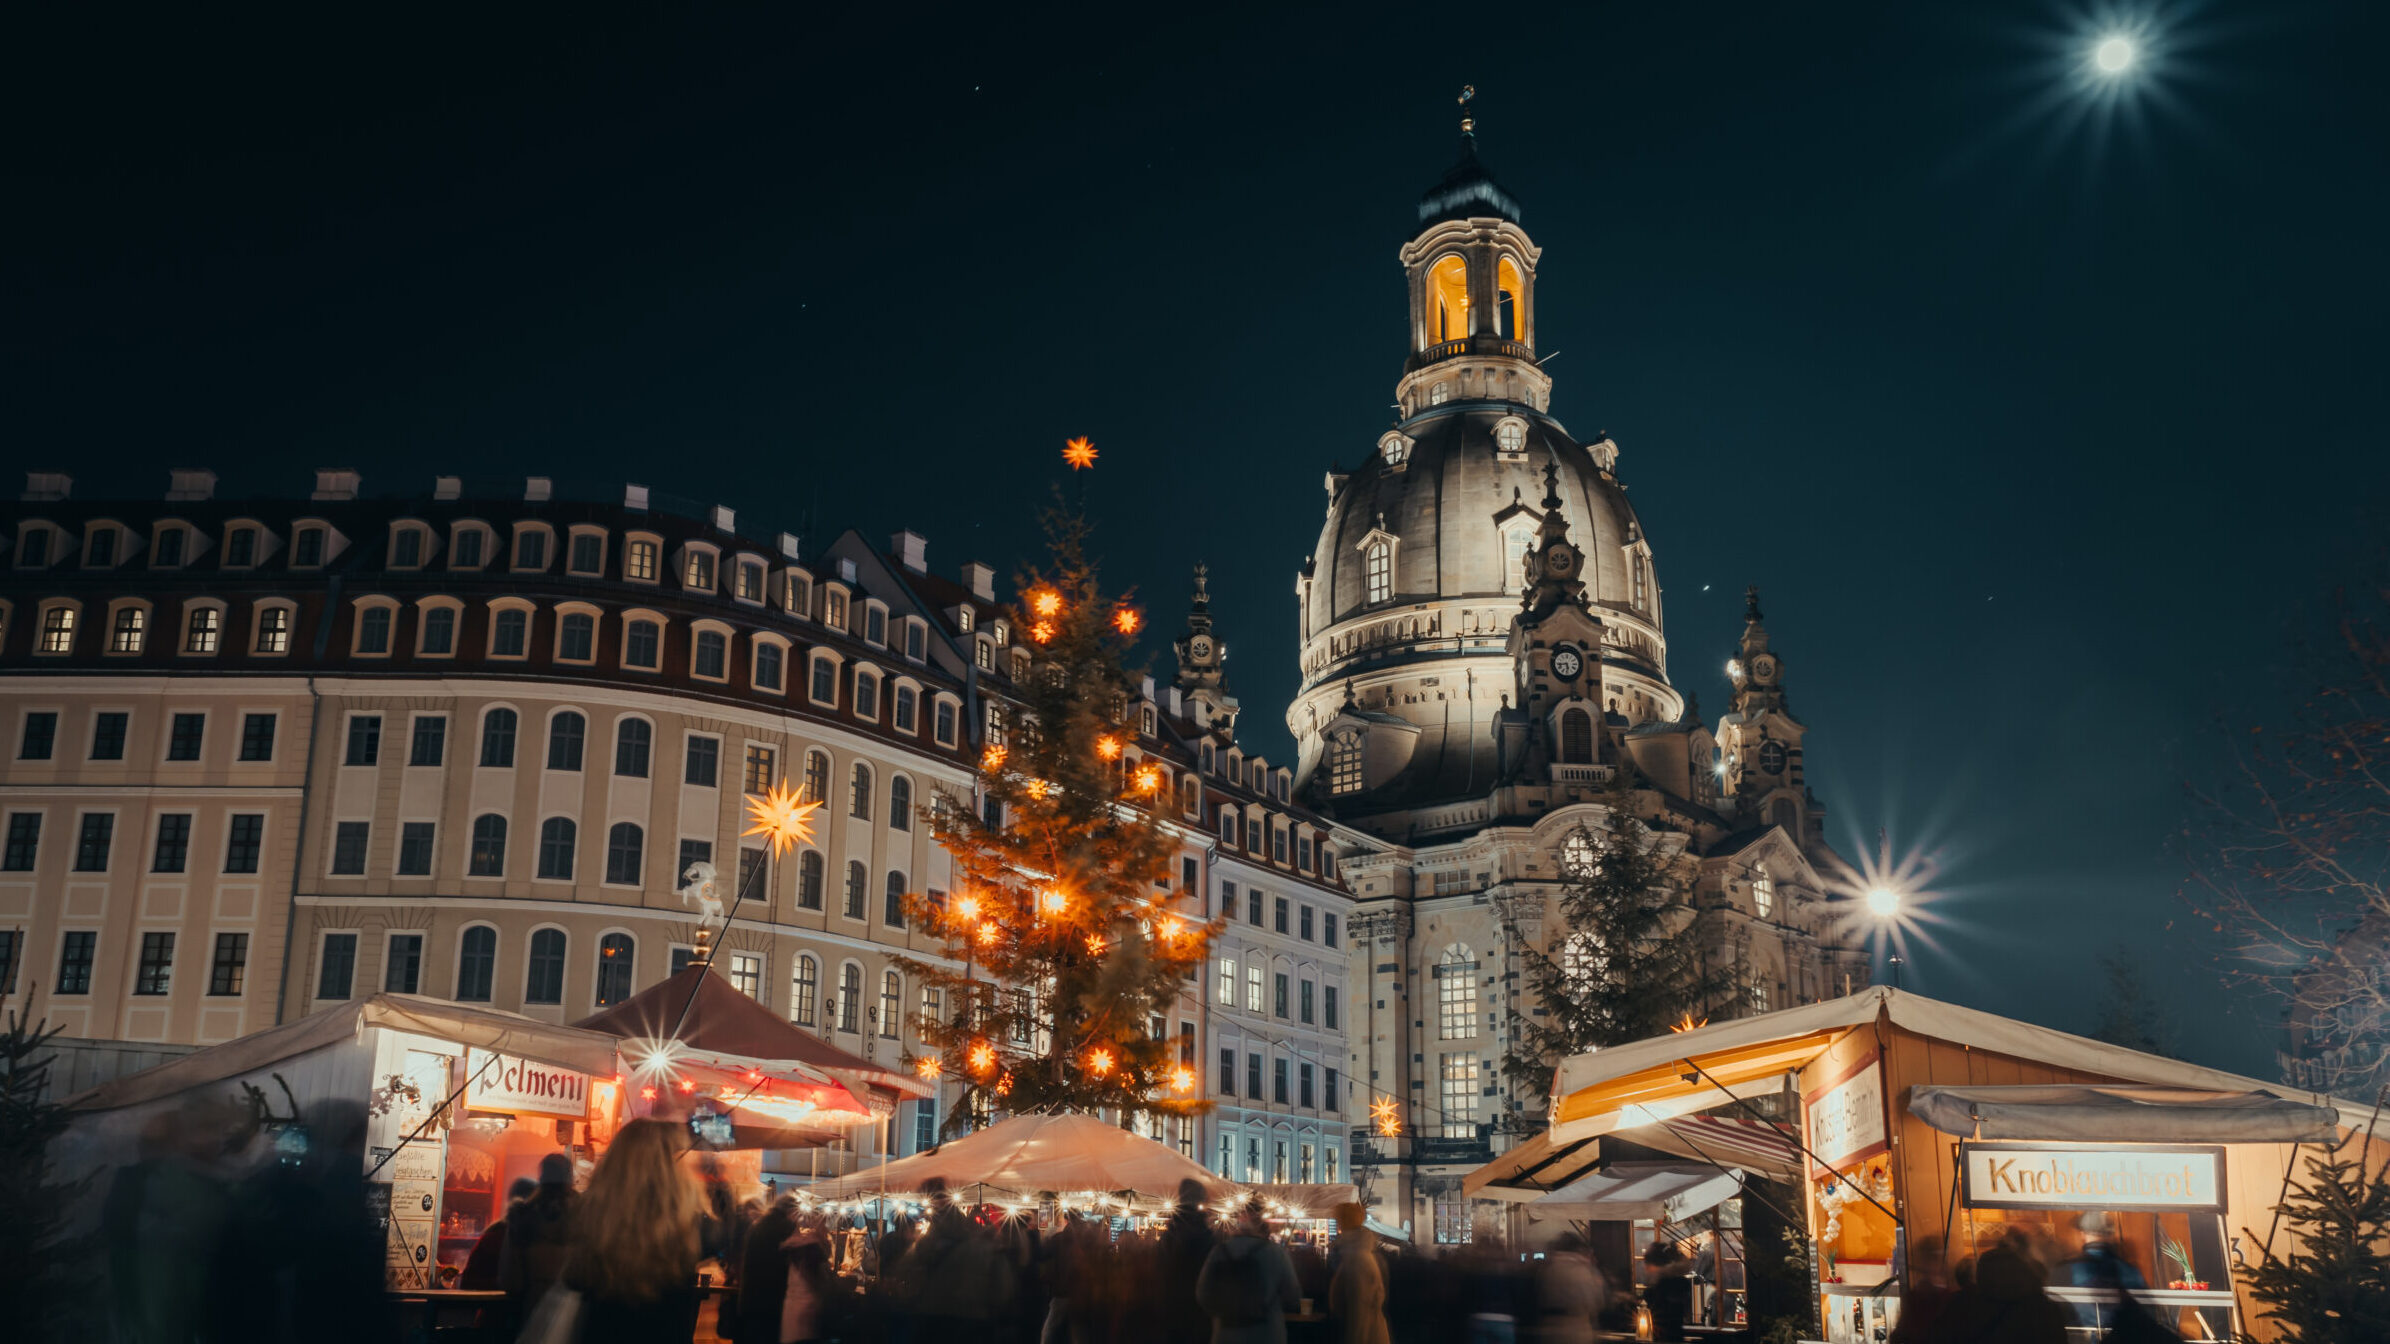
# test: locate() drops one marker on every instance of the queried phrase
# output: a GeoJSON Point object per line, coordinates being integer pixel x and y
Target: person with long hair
{"type": "Point", "coordinates": [635, 1243]}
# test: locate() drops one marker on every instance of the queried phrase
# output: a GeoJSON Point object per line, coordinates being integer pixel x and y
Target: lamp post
{"type": "Point", "coordinates": [1883, 903]}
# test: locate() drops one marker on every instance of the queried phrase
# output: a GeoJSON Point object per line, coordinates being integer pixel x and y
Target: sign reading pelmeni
{"type": "Point", "coordinates": [2139, 1178]}
{"type": "Point", "coordinates": [525, 1087]}
{"type": "Point", "coordinates": [1847, 1119]}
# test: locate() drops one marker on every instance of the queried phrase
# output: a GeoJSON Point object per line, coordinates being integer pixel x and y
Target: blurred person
{"type": "Point", "coordinates": [763, 1276]}
{"type": "Point", "coordinates": [1926, 1299]}
{"type": "Point", "coordinates": [481, 1267]}
{"type": "Point", "coordinates": [1185, 1244]}
{"type": "Point", "coordinates": [1670, 1292]}
{"type": "Point", "coordinates": [1247, 1285]}
{"type": "Point", "coordinates": [1569, 1293]}
{"type": "Point", "coordinates": [2006, 1304]}
{"type": "Point", "coordinates": [1077, 1265]}
{"type": "Point", "coordinates": [538, 1239]}
{"type": "Point", "coordinates": [305, 1250]}
{"type": "Point", "coordinates": [636, 1241]}
{"type": "Point", "coordinates": [953, 1281]}
{"type": "Point", "coordinates": [1356, 1293]}
{"type": "Point", "coordinates": [894, 1243]}
{"type": "Point", "coordinates": [812, 1300]}
{"type": "Point", "coordinates": [160, 1222]}
{"type": "Point", "coordinates": [1493, 1286]}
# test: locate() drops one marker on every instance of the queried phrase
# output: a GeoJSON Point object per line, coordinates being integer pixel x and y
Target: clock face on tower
{"type": "Point", "coordinates": [1764, 668]}
{"type": "Point", "coordinates": [1567, 662]}
{"type": "Point", "coordinates": [1200, 648]}
{"type": "Point", "coordinates": [1771, 758]}
{"type": "Point", "coordinates": [1558, 558]}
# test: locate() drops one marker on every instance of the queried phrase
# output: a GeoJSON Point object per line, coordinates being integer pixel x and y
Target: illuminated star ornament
{"type": "Point", "coordinates": [1079, 453]}
{"type": "Point", "coordinates": [1381, 1112]}
{"type": "Point", "coordinates": [783, 817]}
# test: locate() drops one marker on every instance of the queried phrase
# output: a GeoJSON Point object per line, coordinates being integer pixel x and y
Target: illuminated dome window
{"type": "Point", "coordinates": [1510, 436]}
{"type": "Point", "coordinates": [1448, 299]}
{"type": "Point", "coordinates": [1395, 449]}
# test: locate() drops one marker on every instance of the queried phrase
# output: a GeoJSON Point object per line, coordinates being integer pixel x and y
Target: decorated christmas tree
{"type": "Point", "coordinates": [1059, 915]}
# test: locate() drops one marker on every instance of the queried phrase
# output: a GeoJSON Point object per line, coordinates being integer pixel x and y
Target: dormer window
{"type": "Point", "coordinates": [99, 550]}
{"type": "Point", "coordinates": [750, 584]}
{"type": "Point", "coordinates": [171, 545]}
{"type": "Point", "coordinates": [588, 554]}
{"type": "Point", "coordinates": [1510, 436]}
{"type": "Point", "coordinates": [986, 655]}
{"type": "Point", "coordinates": [1146, 721]}
{"type": "Point", "coordinates": [916, 641]}
{"type": "Point", "coordinates": [240, 548]}
{"type": "Point", "coordinates": [1377, 568]}
{"type": "Point", "coordinates": [1003, 634]}
{"type": "Point", "coordinates": [58, 630]}
{"type": "Point", "coordinates": [1344, 762]}
{"type": "Point", "coordinates": [698, 573]}
{"type": "Point", "coordinates": [1204, 755]}
{"type": "Point", "coordinates": [531, 549]}
{"type": "Point", "coordinates": [834, 608]}
{"type": "Point", "coordinates": [797, 593]}
{"type": "Point", "coordinates": [964, 618]}
{"type": "Point", "coordinates": [1395, 448]}
{"type": "Point", "coordinates": [406, 549]}
{"type": "Point", "coordinates": [639, 559]}
{"type": "Point", "coordinates": [307, 548]}
{"type": "Point", "coordinates": [1439, 394]}
{"type": "Point", "coordinates": [468, 547]}
{"type": "Point", "coordinates": [875, 624]}
{"type": "Point", "coordinates": [131, 633]}
{"type": "Point", "coordinates": [273, 630]}
{"type": "Point", "coordinates": [33, 548]}
{"type": "Point", "coordinates": [1236, 768]}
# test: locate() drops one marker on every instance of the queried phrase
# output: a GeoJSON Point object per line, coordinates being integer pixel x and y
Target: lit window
{"type": "Point", "coordinates": [639, 561]}
{"type": "Point", "coordinates": [751, 582]}
{"type": "Point", "coordinates": [1378, 571]}
{"type": "Point", "coordinates": [700, 572]}
{"type": "Point", "coordinates": [1763, 891]}
{"type": "Point", "coordinates": [804, 986]}
{"type": "Point", "coordinates": [1344, 763]}
{"type": "Point", "coordinates": [132, 630]}
{"type": "Point", "coordinates": [1510, 436]}
{"type": "Point", "coordinates": [1456, 993]}
{"type": "Point", "coordinates": [58, 630]}
{"type": "Point", "coordinates": [273, 630]}
{"type": "Point", "coordinates": [1459, 1093]}
{"type": "Point", "coordinates": [746, 974]}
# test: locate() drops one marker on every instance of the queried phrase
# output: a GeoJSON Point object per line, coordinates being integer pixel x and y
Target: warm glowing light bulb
{"type": "Point", "coordinates": [1382, 1113]}
{"type": "Point", "coordinates": [966, 908]}
{"type": "Point", "coordinates": [1042, 631]}
{"type": "Point", "coordinates": [1095, 944]}
{"type": "Point", "coordinates": [1883, 902]}
{"type": "Point", "coordinates": [1036, 788]}
{"type": "Point", "coordinates": [782, 817]}
{"type": "Point", "coordinates": [2115, 55]}
{"type": "Point", "coordinates": [1127, 621]}
{"type": "Point", "coordinates": [989, 933]}
{"type": "Point", "coordinates": [1172, 928]}
{"type": "Point", "coordinates": [1053, 901]}
{"type": "Point", "coordinates": [993, 757]}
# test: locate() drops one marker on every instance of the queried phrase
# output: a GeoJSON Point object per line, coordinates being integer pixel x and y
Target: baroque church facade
{"type": "Point", "coordinates": [1484, 676]}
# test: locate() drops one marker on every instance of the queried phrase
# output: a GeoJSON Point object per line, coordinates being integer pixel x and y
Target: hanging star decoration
{"type": "Point", "coordinates": [1381, 1112]}
{"type": "Point", "coordinates": [1079, 453]}
{"type": "Point", "coordinates": [929, 1066]}
{"type": "Point", "coordinates": [1099, 1062]}
{"type": "Point", "coordinates": [1127, 620]}
{"type": "Point", "coordinates": [782, 817]}
{"type": "Point", "coordinates": [1687, 1023]}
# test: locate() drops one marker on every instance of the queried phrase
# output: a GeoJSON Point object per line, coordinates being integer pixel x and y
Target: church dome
{"type": "Point", "coordinates": [1468, 190]}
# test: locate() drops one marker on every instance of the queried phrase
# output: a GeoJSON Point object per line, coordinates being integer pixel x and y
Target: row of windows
{"type": "Point", "coordinates": [1281, 1070]}
{"type": "Point", "coordinates": [1287, 846]}
{"type": "Point", "coordinates": [153, 967]}
{"type": "Point", "coordinates": [1279, 908]}
{"type": "Point", "coordinates": [95, 841]}
{"type": "Point", "coordinates": [1309, 1003]}
{"type": "Point", "coordinates": [1289, 1159]}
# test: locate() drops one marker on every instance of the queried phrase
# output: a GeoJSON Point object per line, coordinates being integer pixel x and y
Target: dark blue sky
{"type": "Point", "coordinates": [2039, 425]}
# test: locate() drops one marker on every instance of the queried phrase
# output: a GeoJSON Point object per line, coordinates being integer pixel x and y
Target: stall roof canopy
{"type": "Point", "coordinates": [1539, 1166]}
{"type": "Point", "coordinates": [1666, 1191]}
{"type": "Point", "coordinates": [1647, 1081]}
{"type": "Point", "coordinates": [487, 1028]}
{"type": "Point", "coordinates": [1027, 1154]}
{"type": "Point", "coordinates": [722, 1021]}
{"type": "Point", "coordinates": [2088, 1113]}
{"type": "Point", "coordinates": [1312, 1200]}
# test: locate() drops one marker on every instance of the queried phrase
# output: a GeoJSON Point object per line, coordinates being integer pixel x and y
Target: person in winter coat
{"type": "Point", "coordinates": [1185, 1245]}
{"type": "Point", "coordinates": [1568, 1293]}
{"type": "Point", "coordinates": [2006, 1304]}
{"type": "Point", "coordinates": [763, 1275]}
{"type": "Point", "coordinates": [1248, 1285]}
{"type": "Point", "coordinates": [538, 1236]}
{"type": "Point", "coordinates": [1357, 1293]}
{"type": "Point", "coordinates": [481, 1267]}
{"type": "Point", "coordinates": [636, 1241]}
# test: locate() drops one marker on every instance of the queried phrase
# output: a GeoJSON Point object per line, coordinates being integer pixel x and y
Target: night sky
{"type": "Point", "coordinates": [2043, 420]}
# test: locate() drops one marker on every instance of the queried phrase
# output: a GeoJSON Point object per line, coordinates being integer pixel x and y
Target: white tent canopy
{"type": "Point", "coordinates": [2090, 1113]}
{"type": "Point", "coordinates": [1666, 1191]}
{"type": "Point", "coordinates": [1027, 1154]}
{"type": "Point", "coordinates": [1663, 1077]}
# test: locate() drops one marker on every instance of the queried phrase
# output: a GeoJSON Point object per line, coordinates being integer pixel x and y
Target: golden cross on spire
{"type": "Point", "coordinates": [1468, 123]}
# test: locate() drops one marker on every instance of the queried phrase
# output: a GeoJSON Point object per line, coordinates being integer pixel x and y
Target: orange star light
{"type": "Point", "coordinates": [1095, 944]}
{"type": "Point", "coordinates": [1108, 748]}
{"type": "Point", "coordinates": [782, 817]}
{"type": "Point", "coordinates": [1182, 1079]}
{"type": "Point", "coordinates": [1687, 1024]}
{"type": "Point", "coordinates": [993, 757]}
{"type": "Point", "coordinates": [1053, 901]}
{"type": "Point", "coordinates": [1382, 1113]}
{"type": "Point", "coordinates": [1042, 631]}
{"type": "Point", "coordinates": [1099, 1062]}
{"type": "Point", "coordinates": [1127, 621]}
{"type": "Point", "coordinates": [929, 1066]}
{"type": "Point", "coordinates": [1079, 453]}
{"type": "Point", "coordinates": [989, 933]}
{"type": "Point", "coordinates": [1149, 778]}
{"type": "Point", "coordinates": [1045, 602]}
{"type": "Point", "coordinates": [966, 908]}
{"type": "Point", "coordinates": [983, 1057]}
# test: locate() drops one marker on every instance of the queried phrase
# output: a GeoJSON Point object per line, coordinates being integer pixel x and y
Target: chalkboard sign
{"type": "Point", "coordinates": [377, 1202]}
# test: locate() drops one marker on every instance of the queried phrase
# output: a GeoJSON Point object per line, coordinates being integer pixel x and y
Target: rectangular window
{"type": "Point", "coordinates": [257, 737]}
{"type": "Point", "coordinates": [712, 653]}
{"type": "Point", "coordinates": [1228, 1073]}
{"type": "Point", "coordinates": [1253, 907]}
{"type": "Point", "coordinates": [1278, 1080]}
{"type": "Point", "coordinates": [154, 975]}
{"type": "Point", "coordinates": [749, 861]}
{"type": "Point", "coordinates": [1227, 993]}
{"type": "Point", "coordinates": [925, 1124]}
{"type": "Point", "coordinates": [348, 848]}
{"type": "Point", "coordinates": [173, 852]}
{"type": "Point", "coordinates": [1278, 994]}
{"type": "Point", "coordinates": [240, 546]}
{"type": "Point", "coordinates": [169, 551]}
{"type": "Point", "coordinates": [100, 551]}
{"type": "Point", "coordinates": [184, 735]}
{"type": "Point", "coordinates": [1278, 843]}
{"type": "Point", "coordinates": [430, 746]}
{"type": "Point", "coordinates": [1303, 924]}
{"type": "Point", "coordinates": [273, 630]}
{"type": "Point", "coordinates": [415, 849]}
{"type": "Point", "coordinates": [760, 773]}
{"type": "Point", "coordinates": [307, 549]}
{"type": "Point", "coordinates": [439, 631]}
{"type": "Point", "coordinates": [243, 844]}
{"type": "Point", "coordinates": [531, 550]}
{"type": "Point", "coordinates": [867, 696]}
{"type": "Point", "coordinates": [746, 974]}
{"type": "Point", "coordinates": [1305, 1099]}
{"type": "Point", "coordinates": [693, 851]}
{"type": "Point", "coordinates": [1333, 1104]}
{"type": "Point", "coordinates": [373, 630]}
{"type": "Point", "coordinates": [24, 842]}
{"type": "Point", "coordinates": [229, 971]}
{"type": "Point", "coordinates": [701, 571]}
{"type": "Point", "coordinates": [1253, 1003]}
{"type": "Point", "coordinates": [825, 682]}
{"type": "Point", "coordinates": [41, 736]}
{"type": "Point", "coordinates": [75, 956]}
{"type": "Point", "coordinates": [338, 971]}
{"type": "Point", "coordinates": [405, 969]}
{"type": "Point", "coordinates": [1228, 899]}
{"type": "Point", "coordinates": [1303, 1003]}
{"type": "Point", "coordinates": [365, 740]}
{"type": "Point", "coordinates": [589, 554]}
{"type": "Point", "coordinates": [704, 763]}
{"type": "Point", "coordinates": [751, 581]}
{"type": "Point", "coordinates": [466, 552]}
{"type": "Point", "coordinates": [639, 561]}
{"type": "Point", "coordinates": [1458, 1072]}
{"type": "Point", "coordinates": [1278, 912]}
{"type": "Point", "coordinates": [1253, 1077]}
{"type": "Point", "coordinates": [1327, 928]}
{"type": "Point", "coordinates": [1456, 1000]}
{"type": "Point", "coordinates": [107, 736]}
{"type": "Point", "coordinates": [11, 950]}
{"type": "Point", "coordinates": [1327, 1005]}
{"type": "Point", "coordinates": [945, 724]}
{"type": "Point", "coordinates": [91, 848]}
{"type": "Point", "coordinates": [203, 631]}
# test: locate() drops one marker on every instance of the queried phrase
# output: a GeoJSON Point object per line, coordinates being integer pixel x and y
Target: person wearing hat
{"type": "Point", "coordinates": [538, 1235]}
{"type": "Point", "coordinates": [2098, 1265]}
{"type": "Point", "coordinates": [1357, 1291]}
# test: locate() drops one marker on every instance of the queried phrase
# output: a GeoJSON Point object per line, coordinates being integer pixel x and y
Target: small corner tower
{"type": "Point", "coordinates": [1472, 275]}
{"type": "Point", "coordinates": [1202, 663]}
{"type": "Point", "coordinates": [1759, 742]}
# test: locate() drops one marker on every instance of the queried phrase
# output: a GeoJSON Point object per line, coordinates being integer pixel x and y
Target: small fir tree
{"type": "Point", "coordinates": [32, 1235]}
{"type": "Point", "coordinates": [1623, 960]}
{"type": "Point", "coordinates": [2334, 1285]}
{"type": "Point", "coordinates": [1059, 919]}
{"type": "Point", "coordinates": [2128, 1014]}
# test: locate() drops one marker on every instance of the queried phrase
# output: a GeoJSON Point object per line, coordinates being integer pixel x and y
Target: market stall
{"type": "Point", "coordinates": [1081, 1159]}
{"type": "Point", "coordinates": [1923, 1120]}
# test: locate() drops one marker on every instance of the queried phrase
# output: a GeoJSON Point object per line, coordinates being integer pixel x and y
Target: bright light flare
{"type": "Point", "coordinates": [1079, 453]}
{"type": "Point", "coordinates": [1686, 1023]}
{"type": "Point", "coordinates": [1883, 902]}
{"type": "Point", "coordinates": [782, 817]}
{"type": "Point", "coordinates": [929, 1066]}
{"type": "Point", "coordinates": [993, 758]}
{"type": "Point", "coordinates": [1099, 1063]}
{"type": "Point", "coordinates": [2115, 54]}
{"type": "Point", "coordinates": [989, 933]}
{"type": "Point", "coordinates": [1148, 778]}
{"type": "Point", "coordinates": [1045, 602]}
{"type": "Point", "coordinates": [1108, 748]}
{"type": "Point", "coordinates": [1042, 632]}
{"type": "Point", "coordinates": [1127, 621]}
{"type": "Point", "coordinates": [1182, 1079]}
{"type": "Point", "coordinates": [1053, 901]}
{"type": "Point", "coordinates": [1382, 1114]}
{"type": "Point", "coordinates": [983, 1057]}
{"type": "Point", "coordinates": [1096, 944]}
{"type": "Point", "coordinates": [966, 908]}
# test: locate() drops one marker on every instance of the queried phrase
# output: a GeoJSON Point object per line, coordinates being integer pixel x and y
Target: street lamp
{"type": "Point", "coordinates": [1883, 903]}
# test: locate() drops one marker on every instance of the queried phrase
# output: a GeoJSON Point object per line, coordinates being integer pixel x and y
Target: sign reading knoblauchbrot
{"type": "Point", "coordinates": [2040, 1176]}
{"type": "Point", "coordinates": [524, 1087]}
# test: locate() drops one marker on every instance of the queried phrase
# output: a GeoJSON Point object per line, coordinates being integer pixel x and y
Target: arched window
{"type": "Point", "coordinates": [804, 987]}
{"type": "Point", "coordinates": [201, 629]}
{"type": "Point", "coordinates": [632, 738]}
{"type": "Point", "coordinates": [1576, 737]}
{"type": "Point", "coordinates": [906, 706]}
{"type": "Point", "coordinates": [476, 964]}
{"type": "Point", "coordinates": [132, 630]}
{"type": "Point", "coordinates": [1582, 961]}
{"type": "Point", "coordinates": [1456, 993]}
{"type": "Point", "coordinates": [850, 996]}
{"type": "Point", "coordinates": [858, 795]}
{"type": "Point", "coordinates": [1344, 763]}
{"type": "Point", "coordinates": [509, 633]}
{"type": "Point", "coordinates": [543, 973]}
{"type": "Point", "coordinates": [439, 632]}
{"type": "Point", "coordinates": [626, 846]}
{"type": "Point", "coordinates": [809, 880]}
{"type": "Point", "coordinates": [892, 1003]}
{"type": "Point", "coordinates": [1578, 858]}
{"type": "Point", "coordinates": [576, 637]}
{"type": "Point", "coordinates": [894, 915]}
{"type": "Point", "coordinates": [489, 847]}
{"type": "Point", "coordinates": [900, 803]}
{"type": "Point", "coordinates": [616, 952]}
{"type": "Point", "coordinates": [1510, 295]}
{"type": "Point", "coordinates": [565, 732]}
{"type": "Point", "coordinates": [643, 643]}
{"type": "Point", "coordinates": [1448, 299]}
{"type": "Point", "coordinates": [1377, 568]}
{"type": "Point", "coordinates": [498, 738]}
{"type": "Point", "coordinates": [273, 630]}
{"type": "Point", "coordinates": [767, 666]}
{"type": "Point", "coordinates": [713, 655]}
{"type": "Point", "coordinates": [817, 776]}
{"type": "Point", "coordinates": [1642, 582]}
{"type": "Point", "coordinates": [1763, 891]}
{"type": "Point", "coordinates": [556, 848]}
{"type": "Point", "coordinates": [373, 630]}
{"type": "Point", "coordinates": [857, 879]}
